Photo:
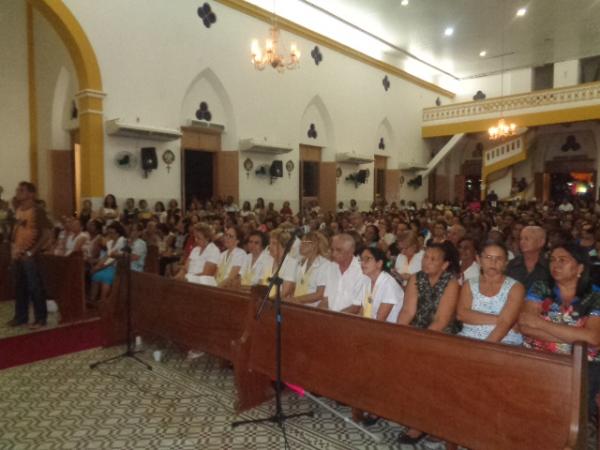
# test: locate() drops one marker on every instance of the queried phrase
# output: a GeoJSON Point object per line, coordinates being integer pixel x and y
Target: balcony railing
{"type": "Point", "coordinates": [576, 95]}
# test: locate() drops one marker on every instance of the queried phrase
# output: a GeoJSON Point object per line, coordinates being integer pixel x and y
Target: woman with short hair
{"type": "Point", "coordinates": [489, 305]}
{"type": "Point", "coordinates": [311, 276]}
{"type": "Point", "coordinates": [231, 259]}
{"type": "Point", "coordinates": [278, 241]}
{"type": "Point", "coordinates": [201, 265]}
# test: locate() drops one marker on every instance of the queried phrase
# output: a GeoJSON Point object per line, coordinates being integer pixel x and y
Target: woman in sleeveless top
{"type": "Point", "coordinates": [489, 306]}
{"type": "Point", "coordinates": [430, 301]}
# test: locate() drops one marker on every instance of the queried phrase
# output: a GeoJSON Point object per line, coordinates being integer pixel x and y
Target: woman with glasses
{"type": "Point", "coordinates": [489, 305]}
{"type": "Point", "coordinates": [311, 276]}
{"type": "Point", "coordinates": [565, 310]}
{"type": "Point", "coordinates": [232, 258]}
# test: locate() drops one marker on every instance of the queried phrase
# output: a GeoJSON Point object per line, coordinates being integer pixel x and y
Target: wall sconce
{"type": "Point", "coordinates": [289, 166]}
{"type": "Point", "coordinates": [168, 158]}
{"type": "Point", "coordinates": [248, 166]}
{"type": "Point", "coordinates": [338, 174]}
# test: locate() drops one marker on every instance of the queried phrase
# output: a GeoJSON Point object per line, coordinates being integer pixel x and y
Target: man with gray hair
{"type": "Point", "coordinates": [345, 280]}
{"type": "Point", "coordinates": [530, 265]}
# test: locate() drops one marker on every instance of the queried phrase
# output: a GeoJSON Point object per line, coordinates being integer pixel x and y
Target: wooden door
{"type": "Point", "coordinates": [392, 185]}
{"type": "Point", "coordinates": [62, 183]}
{"type": "Point", "coordinates": [459, 188]}
{"type": "Point", "coordinates": [327, 186]}
{"type": "Point", "coordinates": [226, 170]}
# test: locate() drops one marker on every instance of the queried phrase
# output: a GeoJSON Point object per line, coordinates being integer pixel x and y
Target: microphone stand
{"type": "Point", "coordinates": [130, 351]}
{"type": "Point", "coordinates": [279, 417]}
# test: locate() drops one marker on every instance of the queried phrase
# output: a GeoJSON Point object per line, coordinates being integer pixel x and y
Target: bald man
{"type": "Point", "coordinates": [345, 280]}
{"type": "Point", "coordinates": [530, 265]}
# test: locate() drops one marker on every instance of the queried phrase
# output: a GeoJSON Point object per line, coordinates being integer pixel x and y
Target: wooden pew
{"type": "Point", "coordinates": [152, 263]}
{"type": "Point", "coordinates": [64, 282]}
{"type": "Point", "coordinates": [192, 316]}
{"type": "Point", "coordinates": [63, 278]}
{"type": "Point", "coordinates": [466, 392]}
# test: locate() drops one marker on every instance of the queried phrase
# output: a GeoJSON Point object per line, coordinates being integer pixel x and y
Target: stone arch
{"type": "Point", "coordinates": [317, 113]}
{"type": "Point", "coordinates": [207, 86]}
{"type": "Point", "coordinates": [90, 95]}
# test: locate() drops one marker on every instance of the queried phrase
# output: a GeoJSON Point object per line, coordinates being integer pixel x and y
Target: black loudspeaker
{"type": "Point", "coordinates": [361, 176]}
{"type": "Point", "coordinates": [276, 169]}
{"type": "Point", "coordinates": [149, 160]}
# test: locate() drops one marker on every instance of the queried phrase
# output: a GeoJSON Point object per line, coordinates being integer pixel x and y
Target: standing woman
{"type": "Point", "coordinates": [105, 269]}
{"type": "Point", "coordinates": [311, 276]}
{"type": "Point", "coordinates": [109, 211]}
{"type": "Point", "coordinates": [277, 243]}
{"type": "Point", "coordinates": [201, 265]}
{"type": "Point", "coordinates": [430, 301]}
{"type": "Point", "coordinates": [564, 311]}
{"type": "Point", "coordinates": [231, 260]}
{"type": "Point", "coordinates": [257, 261]}
{"type": "Point", "coordinates": [489, 305]}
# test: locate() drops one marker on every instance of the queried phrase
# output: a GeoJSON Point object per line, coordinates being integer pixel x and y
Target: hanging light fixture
{"type": "Point", "coordinates": [503, 129]}
{"type": "Point", "coordinates": [271, 57]}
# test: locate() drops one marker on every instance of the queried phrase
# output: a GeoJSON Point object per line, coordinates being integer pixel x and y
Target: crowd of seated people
{"type": "Point", "coordinates": [512, 273]}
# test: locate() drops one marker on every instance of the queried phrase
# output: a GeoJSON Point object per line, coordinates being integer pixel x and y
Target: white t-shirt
{"type": "Point", "coordinates": [228, 260]}
{"type": "Point", "coordinates": [73, 240]}
{"type": "Point", "coordinates": [386, 290]}
{"type": "Point", "coordinates": [197, 259]}
{"type": "Point", "coordinates": [472, 271]}
{"type": "Point", "coordinates": [287, 272]}
{"type": "Point", "coordinates": [412, 267]}
{"type": "Point", "coordinates": [308, 281]}
{"type": "Point", "coordinates": [565, 207]}
{"type": "Point", "coordinates": [253, 274]}
{"type": "Point", "coordinates": [342, 288]}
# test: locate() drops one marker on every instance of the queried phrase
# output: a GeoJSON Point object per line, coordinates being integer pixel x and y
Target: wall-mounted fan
{"type": "Point", "coordinates": [126, 160]}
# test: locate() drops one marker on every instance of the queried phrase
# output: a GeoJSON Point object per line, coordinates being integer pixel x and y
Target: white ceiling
{"type": "Point", "coordinates": [550, 31]}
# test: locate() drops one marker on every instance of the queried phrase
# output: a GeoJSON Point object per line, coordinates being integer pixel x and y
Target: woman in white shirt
{"type": "Point", "coordinates": [277, 242]}
{"type": "Point", "coordinates": [201, 265]}
{"type": "Point", "coordinates": [257, 261]}
{"type": "Point", "coordinates": [76, 239]}
{"type": "Point", "coordinates": [384, 298]}
{"type": "Point", "coordinates": [311, 276]}
{"type": "Point", "coordinates": [231, 260]}
{"type": "Point", "coordinates": [410, 259]}
{"type": "Point", "coordinates": [105, 269]}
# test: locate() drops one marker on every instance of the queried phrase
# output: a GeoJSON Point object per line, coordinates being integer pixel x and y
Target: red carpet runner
{"type": "Point", "coordinates": [44, 344]}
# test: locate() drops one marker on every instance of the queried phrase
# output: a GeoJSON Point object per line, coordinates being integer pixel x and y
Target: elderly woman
{"type": "Point", "coordinates": [489, 305]}
{"type": "Point", "coordinates": [201, 265]}
{"type": "Point", "coordinates": [231, 260]}
{"type": "Point", "coordinates": [278, 241]}
{"type": "Point", "coordinates": [564, 311]}
{"type": "Point", "coordinates": [311, 276]}
{"type": "Point", "coordinates": [430, 301]}
{"type": "Point", "coordinates": [410, 258]}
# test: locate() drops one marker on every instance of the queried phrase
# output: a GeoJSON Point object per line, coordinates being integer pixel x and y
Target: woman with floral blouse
{"type": "Point", "coordinates": [565, 310]}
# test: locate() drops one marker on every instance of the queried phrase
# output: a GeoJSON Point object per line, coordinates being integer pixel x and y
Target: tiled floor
{"type": "Point", "coordinates": [7, 310]}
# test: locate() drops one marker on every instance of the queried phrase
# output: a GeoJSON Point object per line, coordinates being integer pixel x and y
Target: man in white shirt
{"type": "Point", "coordinates": [345, 279]}
{"type": "Point", "coordinates": [566, 206]}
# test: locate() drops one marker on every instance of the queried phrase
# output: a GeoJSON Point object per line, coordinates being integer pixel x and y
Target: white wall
{"type": "Point", "coordinates": [154, 76]}
{"type": "Point", "coordinates": [515, 82]}
{"type": "Point", "coordinates": [14, 109]}
{"type": "Point", "coordinates": [566, 73]}
{"type": "Point", "coordinates": [56, 84]}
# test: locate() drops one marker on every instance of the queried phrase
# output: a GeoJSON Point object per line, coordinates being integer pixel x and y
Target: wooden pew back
{"type": "Point", "coordinates": [6, 282]}
{"type": "Point", "coordinates": [472, 393]}
{"type": "Point", "coordinates": [192, 316]}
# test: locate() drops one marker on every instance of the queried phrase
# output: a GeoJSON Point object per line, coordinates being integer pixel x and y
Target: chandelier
{"type": "Point", "coordinates": [271, 57]}
{"type": "Point", "coordinates": [502, 130]}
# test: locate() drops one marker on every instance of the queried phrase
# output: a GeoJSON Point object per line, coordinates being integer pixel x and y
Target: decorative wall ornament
{"type": "Point", "coordinates": [203, 113]}
{"type": "Point", "coordinates": [289, 166]}
{"type": "Point", "coordinates": [386, 83]}
{"type": "Point", "coordinates": [479, 95]}
{"type": "Point", "coordinates": [207, 15]}
{"type": "Point", "coordinates": [168, 158]}
{"type": "Point", "coordinates": [438, 102]}
{"type": "Point", "coordinates": [74, 110]}
{"type": "Point", "coordinates": [381, 144]}
{"type": "Point", "coordinates": [248, 166]}
{"type": "Point", "coordinates": [312, 131]}
{"type": "Point", "coordinates": [338, 173]}
{"type": "Point", "coordinates": [401, 180]}
{"type": "Point", "coordinates": [570, 144]}
{"type": "Point", "coordinates": [316, 54]}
